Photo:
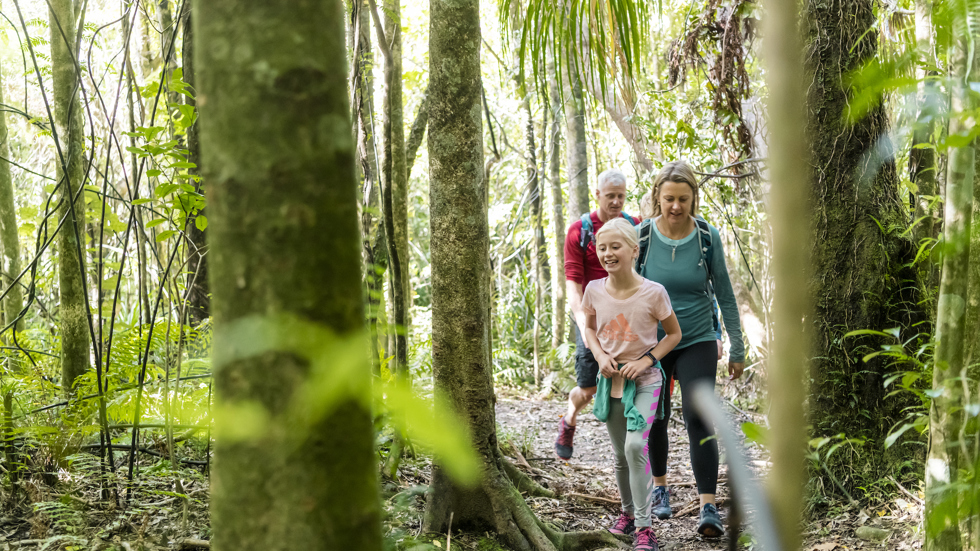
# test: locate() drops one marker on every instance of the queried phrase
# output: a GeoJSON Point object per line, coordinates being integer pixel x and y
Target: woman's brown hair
{"type": "Point", "coordinates": [678, 172]}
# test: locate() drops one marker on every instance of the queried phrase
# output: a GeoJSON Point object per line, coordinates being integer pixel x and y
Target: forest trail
{"type": "Point", "coordinates": [531, 425]}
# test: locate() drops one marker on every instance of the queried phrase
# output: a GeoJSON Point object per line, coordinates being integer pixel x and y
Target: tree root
{"type": "Point", "coordinates": [524, 483]}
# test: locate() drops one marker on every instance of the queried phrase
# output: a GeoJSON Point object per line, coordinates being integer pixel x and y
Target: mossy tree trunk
{"type": "Point", "coordinates": [198, 293]}
{"type": "Point", "coordinates": [922, 160]}
{"type": "Point", "coordinates": [282, 196]}
{"type": "Point", "coordinates": [789, 207]}
{"type": "Point", "coordinates": [69, 163]}
{"type": "Point", "coordinates": [860, 278]}
{"type": "Point", "coordinates": [945, 438]}
{"type": "Point", "coordinates": [576, 148]}
{"type": "Point", "coordinates": [460, 237]}
{"type": "Point", "coordinates": [395, 177]}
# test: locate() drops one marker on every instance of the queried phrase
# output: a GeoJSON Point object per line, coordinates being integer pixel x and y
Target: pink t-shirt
{"type": "Point", "coordinates": [627, 329]}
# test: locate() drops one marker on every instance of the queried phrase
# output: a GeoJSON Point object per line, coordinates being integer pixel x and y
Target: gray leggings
{"type": "Point", "coordinates": [633, 475]}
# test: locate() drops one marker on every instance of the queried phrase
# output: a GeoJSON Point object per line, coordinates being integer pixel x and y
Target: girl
{"type": "Point", "coordinates": [622, 312]}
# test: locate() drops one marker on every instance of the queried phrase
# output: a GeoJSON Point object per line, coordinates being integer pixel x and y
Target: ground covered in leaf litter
{"type": "Point", "coordinates": [588, 498]}
{"type": "Point", "coordinates": [61, 509]}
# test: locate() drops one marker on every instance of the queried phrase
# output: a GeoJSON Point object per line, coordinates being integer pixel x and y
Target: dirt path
{"type": "Point", "coordinates": [531, 427]}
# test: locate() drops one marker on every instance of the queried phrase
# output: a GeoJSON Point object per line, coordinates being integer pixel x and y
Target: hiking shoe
{"type": "Point", "coordinates": [645, 540]}
{"type": "Point", "coordinates": [660, 507]}
{"type": "Point", "coordinates": [563, 445]}
{"type": "Point", "coordinates": [710, 525]}
{"type": "Point", "coordinates": [624, 525]}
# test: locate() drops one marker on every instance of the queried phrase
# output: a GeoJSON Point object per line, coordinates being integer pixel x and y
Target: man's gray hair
{"type": "Point", "coordinates": [612, 176]}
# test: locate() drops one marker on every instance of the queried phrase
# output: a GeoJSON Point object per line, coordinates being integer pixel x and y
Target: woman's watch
{"type": "Point", "coordinates": [652, 357]}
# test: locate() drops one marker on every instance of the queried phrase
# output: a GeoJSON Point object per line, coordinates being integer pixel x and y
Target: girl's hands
{"type": "Point", "coordinates": [607, 366]}
{"type": "Point", "coordinates": [632, 370]}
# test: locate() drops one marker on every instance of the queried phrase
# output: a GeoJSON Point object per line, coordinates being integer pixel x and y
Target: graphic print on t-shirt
{"type": "Point", "coordinates": [619, 330]}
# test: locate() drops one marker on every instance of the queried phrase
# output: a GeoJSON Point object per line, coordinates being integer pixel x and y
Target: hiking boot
{"type": "Point", "coordinates": [660, 507]}
{"type": "Point", "coordinates": [645, 540]}
{"type": "Point", "coordinates": [624, 525]}
{"type": "Point", "coordinates": [710, 525]}
{"type": "Point", "coordinates": [563, 445]}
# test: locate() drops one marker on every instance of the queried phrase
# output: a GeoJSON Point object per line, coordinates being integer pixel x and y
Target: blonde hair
{"type": "Point", "coordinates": [678, 172]}
{"type": "Point", "coordinates": [646, 205]}
{"type": "Point", "coordinates": [622, 228]}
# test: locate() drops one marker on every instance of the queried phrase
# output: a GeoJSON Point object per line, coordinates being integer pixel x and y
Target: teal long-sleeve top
{"type": "Point", "coordinates": [676, 264]}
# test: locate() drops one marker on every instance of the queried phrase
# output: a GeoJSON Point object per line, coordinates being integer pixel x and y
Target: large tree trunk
{"type": "Point", "coordinates": [787, 369]}
{"type": "Point", "coordinates": [396, 185]}
{"type": "Point", "coordinates": [460, 241]}
{"type": "Point", "coordinates": [199, 301]}
{"type": "Point", "coordinates": [282, 198]}
{"type": "Point", "coordinates": [860, 276]}
{"type": "Point", "coordinates": [942, 465]}
{"type": "Point", "coordinates": [69, 162]}
{"type": "Point", "coordinates": [557, 216]}
{"type": "Point", "coordinates": [576, 147]}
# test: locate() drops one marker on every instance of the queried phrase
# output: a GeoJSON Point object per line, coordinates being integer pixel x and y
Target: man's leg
{"type": "Point", "coordinates": [586, 372]}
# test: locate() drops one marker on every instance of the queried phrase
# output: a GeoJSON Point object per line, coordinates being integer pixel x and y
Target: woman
{"type": "Point", "coordinates": [622, 313]}
{"type": "Point", "coordinates": [685, 255]}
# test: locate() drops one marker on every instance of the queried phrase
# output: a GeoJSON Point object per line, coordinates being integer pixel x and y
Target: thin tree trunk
{"type": "Point", "coordinates": [787, 368]}
{"type": "Point", "coordinates": [576, 146]}
{"type": "Point", "coordinates": [75, 337]}
{"type": "Point", "coordinates": [971, 339]}
{"type": "Point", "coordinates": [460, 241]}
{"type": "Point", "coordinates": [922, 160]}
{"type": "Point", "coordinates": [282, 197]}
{"type": "Point", "coordinates": [165, 19]}
{"type": "Point", "coordinates": [371, 232]}
{"type": "Point", "coordinates": [10, 268]}
{"type": "Point", "coordinates": [557, 216]}
{"type": "Point", "coordinates": [199, 303]}
{"type": "Point", "coordinates": [942, 464]}
{"type": "Point", "coordinates": [395, 190]}
{"type": "Point", "coordinates": [537, 243]}
{"type": "Point", "coordinates": [416, 135]}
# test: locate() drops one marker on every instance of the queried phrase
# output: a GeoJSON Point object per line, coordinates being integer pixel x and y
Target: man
{"type": "Point", "coordinates": [582, 266]}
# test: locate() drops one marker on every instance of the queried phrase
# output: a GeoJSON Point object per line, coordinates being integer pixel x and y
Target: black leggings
{"type": "Point", "coordinates": [694, 363]}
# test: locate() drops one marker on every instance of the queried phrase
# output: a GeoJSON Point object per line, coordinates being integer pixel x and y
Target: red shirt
{"type": "Point", "coordinates": [580, 266]}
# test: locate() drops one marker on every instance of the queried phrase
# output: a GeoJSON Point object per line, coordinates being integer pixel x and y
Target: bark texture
{"type": "Point", "coordinates": [942, 465]}
{"type": "Point", "coordinates": [576, 147]}
{"type": "Point", "coordinates": [282, 194]}
{"type": "Point", "coordinates": [860, 278]}
{"type": "Point", "coordinates": [70, 173]}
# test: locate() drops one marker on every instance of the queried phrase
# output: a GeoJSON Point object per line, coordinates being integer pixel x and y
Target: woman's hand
{"type": "Point", "coordinates": [607, 366]}
{"type": "Point", "coordinates": [632, 370]}
{"type": "Point", "coordinates": [735, 370]}
{"type": "Point", "coordinates": [721, 349]}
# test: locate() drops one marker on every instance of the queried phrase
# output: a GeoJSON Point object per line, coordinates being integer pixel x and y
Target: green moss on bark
{"type": "Point", "coordinates": [278, 156]}
{"type": "Point", "coordinates": [860, 276]}
{"type": "Point", "coordinates": [70, 173]}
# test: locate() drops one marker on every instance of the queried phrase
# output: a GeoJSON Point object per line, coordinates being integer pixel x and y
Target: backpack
{"type": "Point", "coordinates": [588, 235]}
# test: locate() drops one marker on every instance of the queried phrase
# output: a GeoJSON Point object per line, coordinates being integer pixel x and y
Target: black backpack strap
{"type": "Point", "coordinates": [643, 234]}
